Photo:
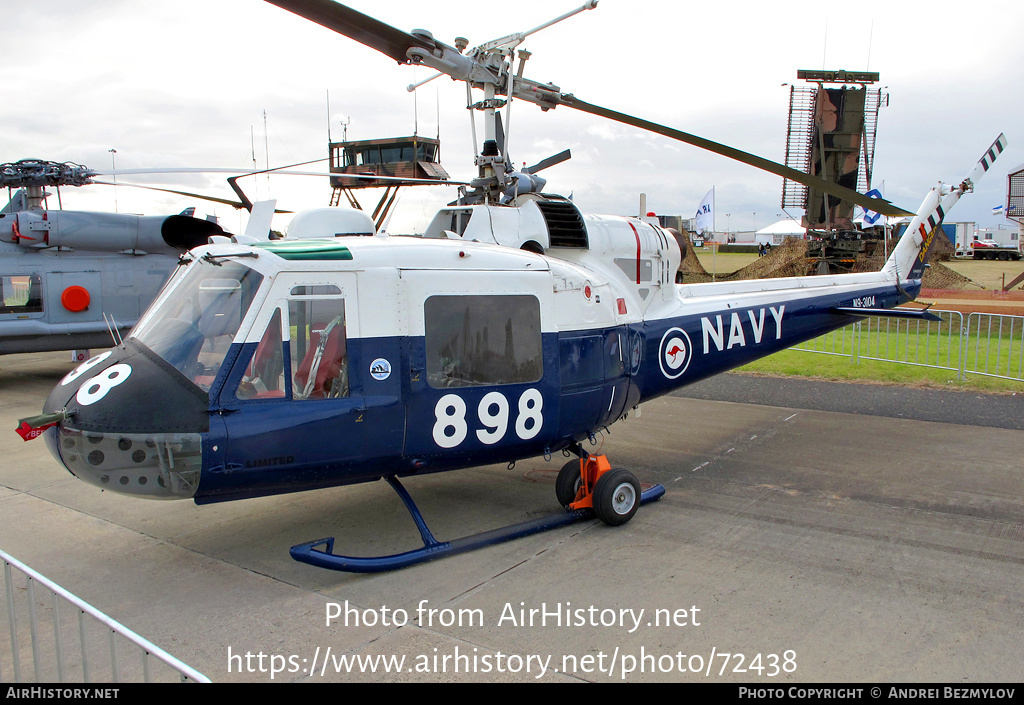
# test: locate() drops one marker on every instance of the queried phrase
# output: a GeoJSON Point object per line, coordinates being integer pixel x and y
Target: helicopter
{"type": "Point", "coordinates": [75, 280]}
{"type": "Point", "coordinates": [515, 327]}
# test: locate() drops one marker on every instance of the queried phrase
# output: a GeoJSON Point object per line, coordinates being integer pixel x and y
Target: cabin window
{"type": "Point", "coordinates": [426, 152]}
{"type": "Point", "coordinates": [404, 152]}
{"type": "Point", "coordinates": [348, 157]}
{"type": "Point", "coordinates": [482, 340]}
{"type": "Point", "coordinates": [194, 327]}
{"type": "Point", "coordinates": [264, 376]}
{"type": "Point", "coordinates": [318, 347]}
{"type": "Point", "coordinates": [316, 290]}
{"type": "Point", "coordinates": [368, 155]}
{"type": "Point", "coordinates": [21, 293]}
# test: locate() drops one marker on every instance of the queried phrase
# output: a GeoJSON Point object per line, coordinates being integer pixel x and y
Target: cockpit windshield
{"type": "Point", "coordinates": [193, 327]}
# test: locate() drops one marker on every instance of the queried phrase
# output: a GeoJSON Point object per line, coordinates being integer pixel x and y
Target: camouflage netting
{"type": "Point", "coordinates": [937, 276]}
{"type": "Point", "coordinates": [790, 260]}
{"type": "Point", "coordinates": [691, 265]}
{"type": "Point", "coordinates": [786, 260]}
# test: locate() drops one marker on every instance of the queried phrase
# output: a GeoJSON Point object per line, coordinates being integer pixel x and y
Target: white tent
{"type": "Point", "coordinates": [775, 232]}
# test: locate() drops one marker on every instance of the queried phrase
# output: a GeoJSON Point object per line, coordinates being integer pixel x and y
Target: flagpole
{"type": "Point", "coordinates": [714, 249]}
{"type": "Point", "coordinates": [707, 205]}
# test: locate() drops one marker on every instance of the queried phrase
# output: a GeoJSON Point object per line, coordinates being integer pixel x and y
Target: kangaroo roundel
{"type": "Point", "coordinates": [674, 353]}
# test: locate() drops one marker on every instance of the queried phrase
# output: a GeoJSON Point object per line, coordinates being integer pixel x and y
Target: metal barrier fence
{"type": "Point", "coordinates": [93, 657]}
{"type": "Point", "coordinates": [985, 344]}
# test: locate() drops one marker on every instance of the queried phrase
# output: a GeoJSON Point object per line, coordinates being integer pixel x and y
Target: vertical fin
{"type": "Point", "coordinates": [908, 259]}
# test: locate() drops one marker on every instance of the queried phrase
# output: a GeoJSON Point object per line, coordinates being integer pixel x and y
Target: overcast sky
{"type": "Point", "coordinates": [187, 82]}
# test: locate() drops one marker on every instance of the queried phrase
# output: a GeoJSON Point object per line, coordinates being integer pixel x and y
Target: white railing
{"type": "Point", "coordinates": [985, 344]}
{"type": "Point", "coordinates": [94, 656]}
{"type": "Point", "coordinates": [998, 345]}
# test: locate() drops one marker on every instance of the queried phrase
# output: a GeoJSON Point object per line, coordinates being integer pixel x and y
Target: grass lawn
{"type": "Point", "coordinates": [840, 368]}
{"type": "Point", "coordinates": [724, 263]}
{"type": "Point", "coordinates": [989, 275]}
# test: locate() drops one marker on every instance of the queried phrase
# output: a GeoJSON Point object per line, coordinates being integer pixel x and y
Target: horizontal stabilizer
{"type": "Point", "coordinates": [920, 314]}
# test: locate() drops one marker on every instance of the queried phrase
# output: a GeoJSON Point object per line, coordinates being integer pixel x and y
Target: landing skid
{"type": "Point", "coordinates": [432, 548]}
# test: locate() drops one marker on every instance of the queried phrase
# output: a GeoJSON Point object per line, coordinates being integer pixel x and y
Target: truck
{"type": "Point", "coordinates": [985, 245]}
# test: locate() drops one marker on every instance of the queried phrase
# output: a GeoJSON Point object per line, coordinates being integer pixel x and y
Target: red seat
{"type": "Point", "coordinates": [329, 366]}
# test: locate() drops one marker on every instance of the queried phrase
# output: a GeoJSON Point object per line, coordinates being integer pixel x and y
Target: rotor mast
{"type": "Point", "coordinates": [489, 68]}
{"type": "Point", "coordinates": [491, 162]}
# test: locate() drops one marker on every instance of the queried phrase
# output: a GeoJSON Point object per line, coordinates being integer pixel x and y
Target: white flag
{"type": "Point", "coordinates": [871, 217]}
{"type": "Point", "coordinates": [706, 213]}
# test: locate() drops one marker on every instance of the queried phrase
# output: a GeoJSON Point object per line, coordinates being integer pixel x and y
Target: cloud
{"type": "Point", "coordinates": [187, 82]}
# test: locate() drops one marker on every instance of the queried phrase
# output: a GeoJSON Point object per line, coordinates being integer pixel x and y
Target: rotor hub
{"type": "Point", "coordinates": [29, 173]}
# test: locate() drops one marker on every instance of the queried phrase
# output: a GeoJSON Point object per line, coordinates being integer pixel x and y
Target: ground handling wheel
{"type": "Point", "coordinates": [567, 486]}
{"type": "Point", "coordinates": [616, 497]}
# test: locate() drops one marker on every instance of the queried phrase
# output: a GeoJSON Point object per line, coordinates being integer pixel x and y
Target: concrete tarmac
{"type": "Point", "coordinates": [793, 545]}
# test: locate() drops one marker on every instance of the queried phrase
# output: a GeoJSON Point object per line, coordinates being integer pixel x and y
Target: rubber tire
{"type": "Point", "coordinates": [616, 497]}
{"type": "Point", "coordinates": [568, 483]}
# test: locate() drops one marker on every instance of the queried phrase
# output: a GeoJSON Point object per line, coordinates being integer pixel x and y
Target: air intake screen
{"type": "Point", "coordinates": [565, 224]}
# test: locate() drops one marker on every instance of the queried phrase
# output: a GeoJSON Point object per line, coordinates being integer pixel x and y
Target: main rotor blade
{"type": "Point", "coordinates": [550, 161]}
{"type": "Point", "coordinates": [878, 205]}
{"type": "Point", "coordinates": [225, 201]}
{"type": "Point", "coordinates": [355, 25]}
{"type": "Point", "coordinates": [274, 171]}
{"type": "Point", "coordinates": [396, 44]}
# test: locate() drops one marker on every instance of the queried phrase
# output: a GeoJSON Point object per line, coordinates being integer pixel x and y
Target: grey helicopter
{"type": "Point", "coordinates": [76, 280]}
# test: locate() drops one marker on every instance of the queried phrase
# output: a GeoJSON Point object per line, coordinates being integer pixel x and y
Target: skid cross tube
{"type": "Point", "coordinates": [432, 548]}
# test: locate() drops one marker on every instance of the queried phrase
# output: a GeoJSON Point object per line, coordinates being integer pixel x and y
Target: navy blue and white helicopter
{"type": "Point", "coordinates": [516, 327]}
